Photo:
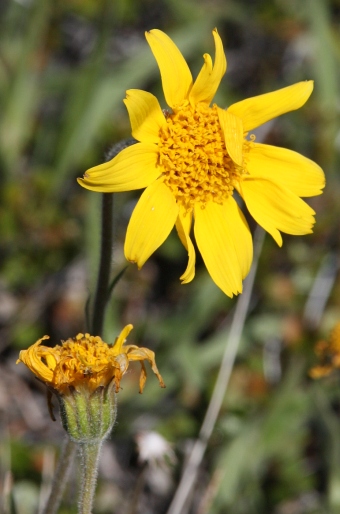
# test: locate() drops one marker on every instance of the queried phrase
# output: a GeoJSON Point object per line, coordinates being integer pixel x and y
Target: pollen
{"type": "Point", "coordinates": [192, 152]}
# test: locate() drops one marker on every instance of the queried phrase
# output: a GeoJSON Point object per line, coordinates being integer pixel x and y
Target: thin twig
{"type": "Point", "coordinates": [190, 471]}
{"type": "Point", "coordinates": [48, 467]}
{"type": "Point", "coordinates": [320, 291]}
{"type": "Point", "coordinates": [61, 477]}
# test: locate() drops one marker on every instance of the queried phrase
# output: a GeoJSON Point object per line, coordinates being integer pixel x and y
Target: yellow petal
{"type": "Point", "coordinates": [151, 222]}
{"type": "Point", "coordinates": [287, 168]}
{"type": "Point", "coordinates": [120, 340]}
{"type": "Point", "coordinates": [220, 234]}
{"type": "Point", "coordinates": [50, 361]}
{"type": "Point", "coordinates": [121, 362]}
{"type": "Point", "coordinates": [183, 226]}
{"type": "Point", "coordinates": [141, 354]}
{"type": "Point", "coordinates": [210, 76]}
{"type": "Point", "coordinates": [134, 167]}
{"type": "Point", "coordinates": [232, 129]}
{"type": "Point", "coordinates": [257, 110]}
{"type": "Point", "coordinates": [275, 208]}
{"type": "Point", "coordinates": [175, 73]}
{"type": "Point", "coordinates": [32, 359]}
{"type": "Point", "coordinates": [145, 114]}
{"type": "Point", "coordinates": [240, 234]}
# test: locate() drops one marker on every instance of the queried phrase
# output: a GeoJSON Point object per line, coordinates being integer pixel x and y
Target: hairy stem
{"type": "Point", "coordinates": [89, 455]}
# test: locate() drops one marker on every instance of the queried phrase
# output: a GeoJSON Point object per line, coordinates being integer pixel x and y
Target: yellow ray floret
{"type": "Point", "coordinates": [197, 158]}
{"type": "Point", "coordinates": [86, 362]}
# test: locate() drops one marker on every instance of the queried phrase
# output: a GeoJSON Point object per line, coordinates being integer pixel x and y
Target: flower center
{"type": "Point", "coordinates": [88, 354]}
{"type": "Point", "coordinates": [192, 152]}
{"type": "Point", "coordinates": [84, 358]}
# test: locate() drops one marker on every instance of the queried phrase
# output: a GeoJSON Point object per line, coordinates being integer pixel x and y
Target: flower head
{"type": "Point", "coordinates": [86, 362]}
{"type": "Point", "coordinates": [193, 158]}
{"type": "Point", "coordinates": [329, 354]}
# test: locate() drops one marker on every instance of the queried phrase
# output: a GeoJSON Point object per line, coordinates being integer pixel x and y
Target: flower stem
{"type": "Point", "coordinates": [106, 244]}
{"type": "Point", "coordinates": [61, 477]}
{"type": "Point", "coordinates": [89, 455]}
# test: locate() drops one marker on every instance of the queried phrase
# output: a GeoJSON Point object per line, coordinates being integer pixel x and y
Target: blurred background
{"type": "Point", "coordinates": [64, 69]}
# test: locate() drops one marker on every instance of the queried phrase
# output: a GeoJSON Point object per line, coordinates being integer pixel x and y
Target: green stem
{"type": "Point", "coordinates": [89, 455]}
{"type": "Point", "coordinates": [103, 292]}
{"type": "Point", "coordinates": [61, 477]}
{"type": "Point", "coordinates": [101, 295]}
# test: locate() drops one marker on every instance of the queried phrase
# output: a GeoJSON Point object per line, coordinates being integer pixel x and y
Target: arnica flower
{"type": "Point", "coordinates": [328, 353]}
{"type": "Point", "coordinates": [86, 362]}
{"type": "Point", "coordinates": [85, 373]}
{"type": "Point", "coordinates": [194, 157]}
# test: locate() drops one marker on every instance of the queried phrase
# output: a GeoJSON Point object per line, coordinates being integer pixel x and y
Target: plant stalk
{"type": "Point", "coordinates": [106, 246]}
{"type": "Point", "coordinates": [103, 290]}
{"type": "Point", "coordinates": [89, 455]}
{"type": "Point", "coordinates": [61, 477]}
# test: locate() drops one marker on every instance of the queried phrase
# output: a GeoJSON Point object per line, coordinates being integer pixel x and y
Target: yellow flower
{"type": "Point", "coordinates": [191, 161]}
{"type": "Point", "coordinates": [86, 362]}
{"type": "Point", "coordinates": [329, 354]}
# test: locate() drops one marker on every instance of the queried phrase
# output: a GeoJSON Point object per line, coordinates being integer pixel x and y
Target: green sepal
{"type": "Point", "coordinates": [88, 417]}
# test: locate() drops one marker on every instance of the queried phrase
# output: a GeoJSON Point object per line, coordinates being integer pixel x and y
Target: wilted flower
{"type": "Point", "coordinates": [84, 373]}
{"type": "Point", "coordinates": [193, 158]}
{"type": "Point", "coordinates": [86, 362]}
